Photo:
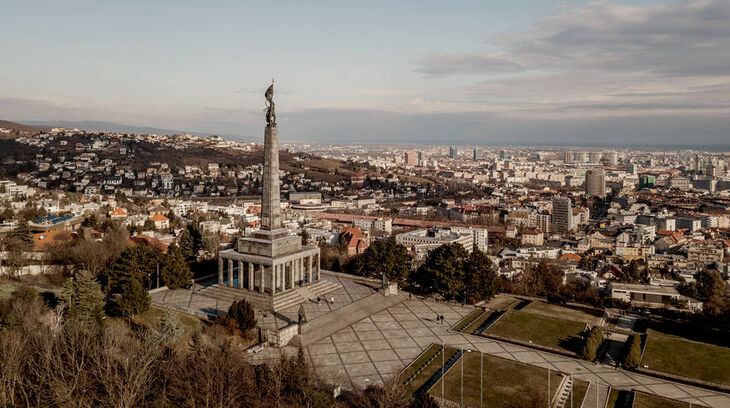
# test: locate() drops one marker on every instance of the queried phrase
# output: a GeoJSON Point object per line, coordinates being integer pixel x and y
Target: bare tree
{"type": "Point", "coordinates": [390, 395]}
{"type": "Point", "coordinates": [126, 367]}
{"type": "Point", "coordinates": [12, 360]}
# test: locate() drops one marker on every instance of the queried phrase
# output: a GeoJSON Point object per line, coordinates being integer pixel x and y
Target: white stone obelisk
{"type": "Point", "coordinates": [270, 202]}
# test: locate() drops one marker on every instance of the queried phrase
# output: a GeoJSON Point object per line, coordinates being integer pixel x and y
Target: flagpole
{"type": "Point", "coordinates": [462, 378]}
{"type": "Point", "coordinates": [443, 376]}
{"type": "Point", "coordinates": [548, 385]}
{"type": "Point", "coordinates": [481, 379]}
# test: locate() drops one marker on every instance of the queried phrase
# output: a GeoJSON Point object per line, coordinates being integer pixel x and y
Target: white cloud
{"type": "Point", "coordinates": [604, 59]}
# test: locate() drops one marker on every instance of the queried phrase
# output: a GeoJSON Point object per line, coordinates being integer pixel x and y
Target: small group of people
{"type": "Point", "coordinates": [440, 319]}
{"type": "Point", "coordinates": [321, 298]}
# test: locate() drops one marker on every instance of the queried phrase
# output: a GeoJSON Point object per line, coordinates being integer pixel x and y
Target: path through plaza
{"type": "Point", "coordinates": [376, 348]}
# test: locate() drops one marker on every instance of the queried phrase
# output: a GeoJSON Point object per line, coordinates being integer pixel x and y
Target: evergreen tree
{"type": "Point", "coordinates": [443, 271]}
{"type": "Point", "coordinates": [187, 246]}
{"type": "Point", "coordinates": [384, 257]}
{"type": "Point", "coordinates": [7, 214]}
{"type": "Point", "coordinates": [149, 225]}
{"type": "Point", "coordinates": [197, 238]}
{"type": "Point", "coordinates": [481, 281]}
{"type": "Point", "coordinates": [138, 263]}
{"type": "Point", "coordinates": [174, 270]}
{"type": "Point", "coordinates": [170, 328]}
{"type": "Point", "coordinates": [21, 234]}
{"type": "Point", "coordinates": [632, 358]}
{"type": "Point", "coordinates": [296, 376]}
{"type": "Point", "coordinates": [712, 290]}
{"type": "Point", "coordinates": [243, 314]}
{"type": "Point", "coordinates": [129, 299]}
{"type": "Point", "coordinates": [593, 341]}
{"type": "Point", "coordinates": [83, 296]}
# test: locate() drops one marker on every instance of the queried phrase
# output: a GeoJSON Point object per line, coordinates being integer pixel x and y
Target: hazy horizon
{"type": "Point", "coordinates": [539, 72]}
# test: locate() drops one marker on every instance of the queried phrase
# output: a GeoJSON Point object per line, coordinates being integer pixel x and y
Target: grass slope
{"type": "Point", "coordinates": [676, 355]}
{"type": "Point", "coordinates": [506, 383]}
{"type": "Point", "coordinates": [553, 332]}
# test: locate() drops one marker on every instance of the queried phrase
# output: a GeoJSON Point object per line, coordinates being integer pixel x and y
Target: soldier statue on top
{"type": "Point", "coordinates": [270, 111]}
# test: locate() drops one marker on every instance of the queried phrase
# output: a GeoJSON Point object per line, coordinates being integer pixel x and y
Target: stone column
{"type": "Point", "coordinates": [292, 272]}
{"type": "Point", "coordinates": [230, 272]}
{"type": "Point", "coordinates": [309, 268]}
{"type": "Point", "coordinates": [316, 269]}
{"type": "Point", "coordinates": [220, 271]}
{"type": "Point", "coordinates": [282, 276]}
{"type": "Point", "coordinates": [250, 276]}
{"type": "Point", "coordinates": [240, 274]}
{"type": "Point", "coordinates": [262, 271]}
{"type": "Point", "coordinates": [273, 279]}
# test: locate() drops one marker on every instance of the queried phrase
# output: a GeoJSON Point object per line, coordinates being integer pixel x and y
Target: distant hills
{"type": "Point", "coordinates": [22, 127]}
{"type": "Point", "coordinates": [96, 126]}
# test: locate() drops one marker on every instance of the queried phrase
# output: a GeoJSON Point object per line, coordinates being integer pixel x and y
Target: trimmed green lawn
{"type": "Point", "coordinates": [467, 319]}
{"type": "Point", "coordinates": [506, 383]}
{"type": "Point", "coordinates": [476, 323]}
{"type": "Point", "coordinates": [553, 332]}
{"type": "Point", "coordinates": [563, 312]}
{"type": "Point", "coordinates": [612, 398]}
{"type": "Point", "coordinates": [642, 400]}
{"type": "Point", "coordinates": [676, 355]}
{"type": "Point", "coordinates": [428, 371]}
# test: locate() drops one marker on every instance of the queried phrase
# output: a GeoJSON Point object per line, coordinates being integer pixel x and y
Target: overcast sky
{"type": "Point", "coordinates": [528, 71]}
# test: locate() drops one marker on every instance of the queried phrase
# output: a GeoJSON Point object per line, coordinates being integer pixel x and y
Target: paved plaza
{"type": "Point", "coordinates": [374, 349]}
{"type": "Point", "coordinates": [350, 291]}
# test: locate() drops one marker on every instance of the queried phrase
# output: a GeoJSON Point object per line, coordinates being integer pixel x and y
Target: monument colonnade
{"type": "Point", "coordinates": [266, 277]}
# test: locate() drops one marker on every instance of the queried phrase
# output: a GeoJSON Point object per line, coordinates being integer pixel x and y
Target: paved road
{"type": "Point", "coordinates": [376, 348]}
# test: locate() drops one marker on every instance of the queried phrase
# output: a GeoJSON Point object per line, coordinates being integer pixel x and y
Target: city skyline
{"type": "Point", "coordinates": [655, 73]}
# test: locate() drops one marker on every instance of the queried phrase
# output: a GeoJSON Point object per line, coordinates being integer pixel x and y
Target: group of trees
{"type": "Point", "coordinates": [454, 273]}
{"type": "Point", "coordinates": [127, 280]}
{"type": "Point", "coordinates": [384, 257]}
{"type": "Point", "coordinates": [95, 256]}
{"type": "Point", "coordinates": [449, 270]}
{"type": "Point", "coordinates": [124, 273]}
{"type": "Point", "coordinates": [546, 279]}
{"type": "Point", "coordinates": [85, 362]}
{"type": "Point", "coordinates": [709, 288]}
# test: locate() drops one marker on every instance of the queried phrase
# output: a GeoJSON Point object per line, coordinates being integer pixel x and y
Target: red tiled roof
{"type": "Point", "coordinates": [159, 217]}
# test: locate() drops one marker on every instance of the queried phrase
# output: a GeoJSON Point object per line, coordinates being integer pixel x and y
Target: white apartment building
{"type": "Point", "coordinates": [380, 224]}
{"type": "Point", "coordinates": [426, 239]}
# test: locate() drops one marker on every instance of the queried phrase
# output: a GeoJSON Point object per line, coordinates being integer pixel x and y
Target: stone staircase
{"type": "Point", "coordinates": [564, 390]}
{"type": "Point", "coordinates": [263, 301]}
{"type": "Point", "coordinates": [319, 288]}
{"type": "Point", "coordinates": [227, 295]}
{"type": "Point", "coordinates": [338, 319]}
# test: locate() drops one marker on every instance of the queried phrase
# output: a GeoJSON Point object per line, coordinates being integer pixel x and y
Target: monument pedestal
{"type": "Point", "coordinates": [390, 289]}
{"type": "Point", "coordinates": [271, 261]}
